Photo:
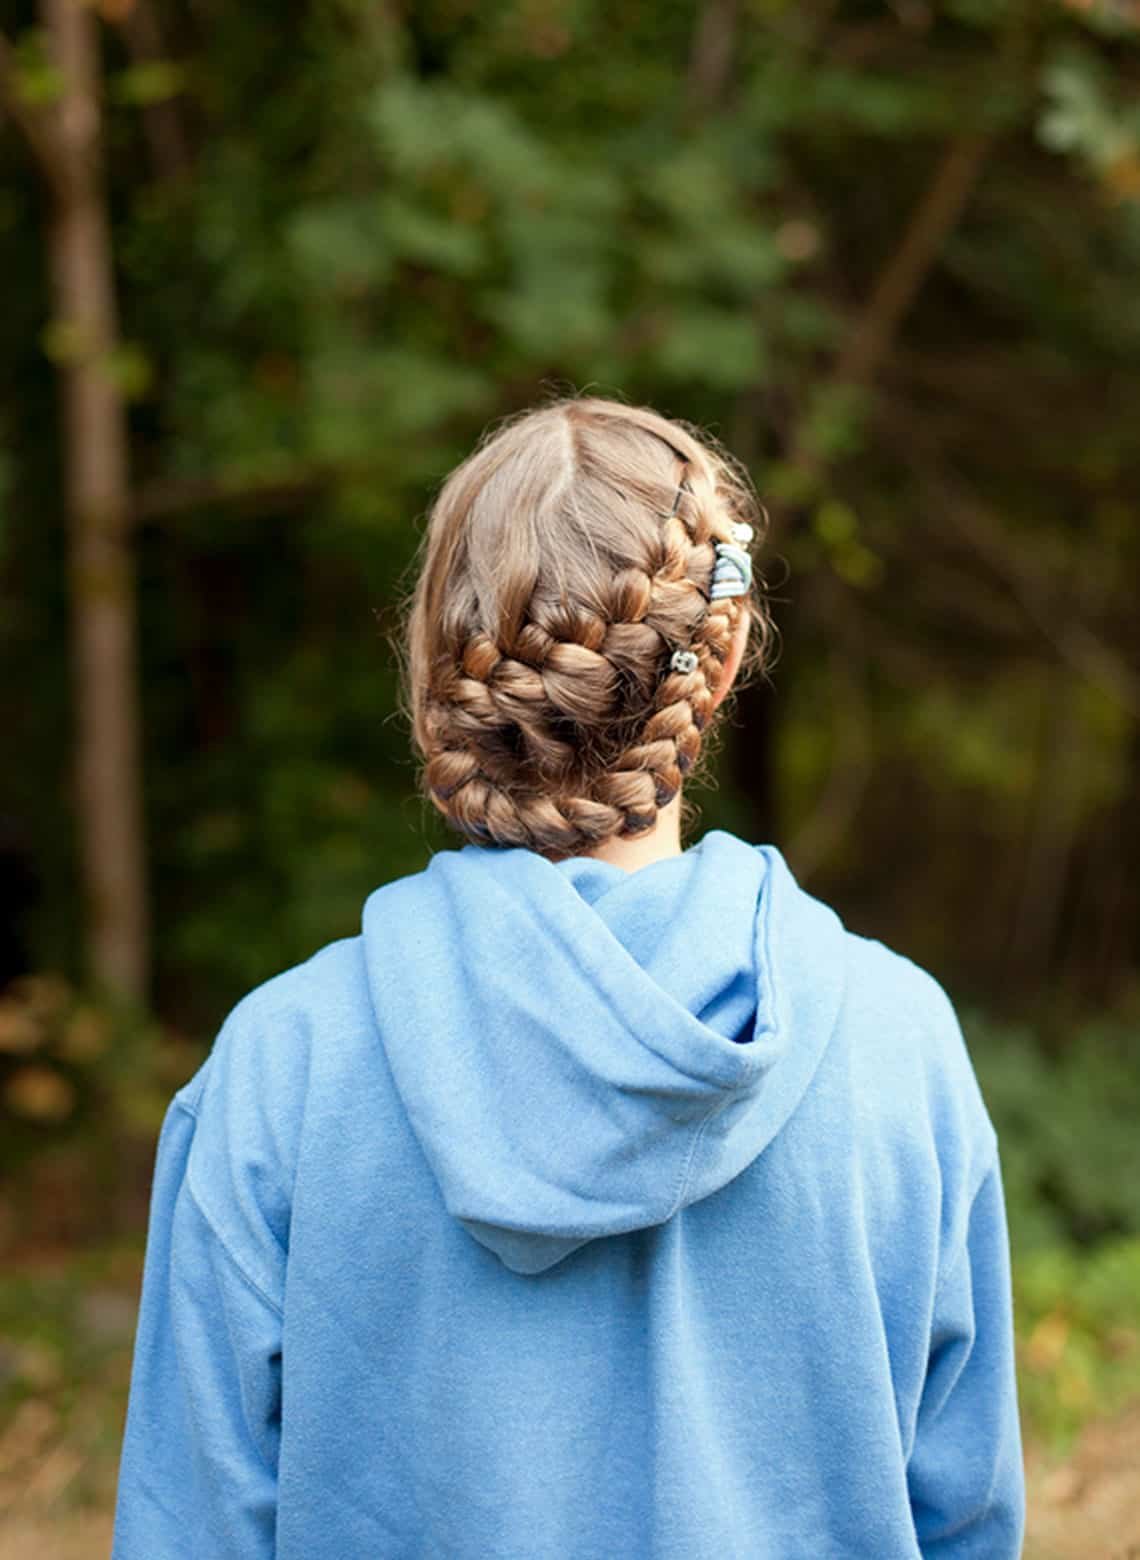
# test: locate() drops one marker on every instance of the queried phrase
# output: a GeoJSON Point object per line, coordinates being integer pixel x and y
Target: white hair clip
{"type": "Point", "coordinates": [732, 575]}
{"type": "Point", "coordinates": [684, 661]}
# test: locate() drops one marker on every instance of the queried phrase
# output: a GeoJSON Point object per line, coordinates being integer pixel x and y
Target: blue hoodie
{"type": "Point", "coordinates": [567, 1213]}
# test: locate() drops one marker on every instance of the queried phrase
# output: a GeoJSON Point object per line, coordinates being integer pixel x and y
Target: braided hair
{"type": "Point", "coordinates": [564, 562]}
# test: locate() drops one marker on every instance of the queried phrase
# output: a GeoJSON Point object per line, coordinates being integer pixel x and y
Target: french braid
{"type": "Point", "coordinates": [565, 561]}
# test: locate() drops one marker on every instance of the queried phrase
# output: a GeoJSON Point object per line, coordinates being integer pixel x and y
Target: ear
{"type": "Point", "coordinates": [735, 654]}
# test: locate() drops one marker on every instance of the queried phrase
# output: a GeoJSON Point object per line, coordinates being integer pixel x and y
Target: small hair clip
{"type": "Point", "coordinates": [682, 487]}
{"type": "Point", "coordinates": [742, 533]}
{"type": "Point", "coordinates": [684, 661]}
{"type": "Point", "coordinates": [732, 575]}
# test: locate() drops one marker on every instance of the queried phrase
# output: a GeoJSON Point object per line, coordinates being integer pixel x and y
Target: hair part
{"type": "Point", "coordinates": [563, 563]}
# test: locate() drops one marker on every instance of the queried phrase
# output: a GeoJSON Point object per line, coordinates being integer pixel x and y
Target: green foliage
{"type": "Point", "coordinates": [1077, 1314]}
{"type": "Point", "coordinates": [1066, 1124]}
{"type": "Point", "coordinates": [1066, 1118]}
{"type": "Point", "coordinates": [38, 79]}
{"type": "Point", "coordinates": [1083, 115]}
{"type": "Point", "coordinates": [149, 82]}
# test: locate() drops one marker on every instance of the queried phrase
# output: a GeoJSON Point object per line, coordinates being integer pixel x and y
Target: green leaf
{"type": "Point", "coordinates": [131, 369]}
{"type": "Point", "coordinates": [147, 83]}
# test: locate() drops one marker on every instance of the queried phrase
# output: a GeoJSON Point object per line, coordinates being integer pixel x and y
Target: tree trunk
{"type": "Point", "coordinates": [108, 789]}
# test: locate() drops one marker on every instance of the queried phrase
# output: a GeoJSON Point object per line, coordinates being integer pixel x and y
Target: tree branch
{"type": "Point", "coordinates": [710, 62]}
{"type": "Point", "coordinates": [1034, 589]}
{"type": "Point", "coordinates": [852, 762]}
{"type": "Point", "coordinates": [872, 336]}
{"type": "Point", "coordinates": [164, 500]}
{"type": "Point", "coordinates": [97, 494]}
{"type": "Point", "coordinates": [163, 123]}
{"type": "Point", "coordinates": [931, 223]}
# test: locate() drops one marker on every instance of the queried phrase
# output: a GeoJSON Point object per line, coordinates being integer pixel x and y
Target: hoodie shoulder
{"type": "Point", "coordinates": [248, 1097]}
{"type": "Point", "coordinates": [923, 1029]}
{"type": "Point", "coordinates": [913, 1073]}
{"type": "Point", "coordinates": [268, 1031]}
{"type": "Point", "coordinates": [327, 985]}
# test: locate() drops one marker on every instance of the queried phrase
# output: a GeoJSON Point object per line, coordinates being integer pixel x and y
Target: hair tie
{"type": "Point", "coordinates": [732, 575]}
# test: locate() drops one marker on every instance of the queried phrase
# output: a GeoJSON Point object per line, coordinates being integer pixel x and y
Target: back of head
{"type": "Point", "coordinates": [564, 563]}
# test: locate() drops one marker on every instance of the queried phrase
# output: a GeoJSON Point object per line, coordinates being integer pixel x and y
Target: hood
{"type": "Point", "coordinates": [582, 1050]}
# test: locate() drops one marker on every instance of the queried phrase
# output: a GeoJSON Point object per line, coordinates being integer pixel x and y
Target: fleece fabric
{"type": "Point", "coordinates": [565, 1213]}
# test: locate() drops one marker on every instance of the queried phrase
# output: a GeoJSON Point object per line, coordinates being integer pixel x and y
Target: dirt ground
{"type": "Point", "coordinates": [1085, 1508]}
{"type": "Point", "coordinates": [78, 1537]}
{"type": "Point", "coordinates": [1088, 1507]}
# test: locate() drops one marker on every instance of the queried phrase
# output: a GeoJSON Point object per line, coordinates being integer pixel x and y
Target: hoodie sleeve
{"type": "Point", "coordinates": [197, 1474]}
{"type": "Point", "coordinates": [965, 1472]}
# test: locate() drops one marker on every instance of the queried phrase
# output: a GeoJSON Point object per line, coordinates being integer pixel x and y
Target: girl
{"type": "Point", "coordinates": [599, 1198]}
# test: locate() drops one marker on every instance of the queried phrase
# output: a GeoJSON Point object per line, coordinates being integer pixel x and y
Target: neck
{"type": "Point", "coordinates": [638, 850]}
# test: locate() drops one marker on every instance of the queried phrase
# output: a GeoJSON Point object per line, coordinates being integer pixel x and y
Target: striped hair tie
{"type": "Point", "coordinates": [732, 575]}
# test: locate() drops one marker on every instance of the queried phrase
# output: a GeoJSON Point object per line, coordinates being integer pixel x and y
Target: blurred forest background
{"type": "Point", "coordinates": [269, 270]}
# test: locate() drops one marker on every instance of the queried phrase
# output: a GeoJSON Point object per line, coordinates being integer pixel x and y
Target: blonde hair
{"type": "Point", "coordinates": [562, 565]}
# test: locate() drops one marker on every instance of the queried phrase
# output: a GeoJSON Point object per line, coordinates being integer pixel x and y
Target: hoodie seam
{"type": "Point", "coordinates": [687, 1167]}
{"type": "Point", "coordinates": [208, 1221]}
{"type": "Point", "coordinates": [251, 1283]}
{"type": "Point", "coordinates": [768, 976]}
